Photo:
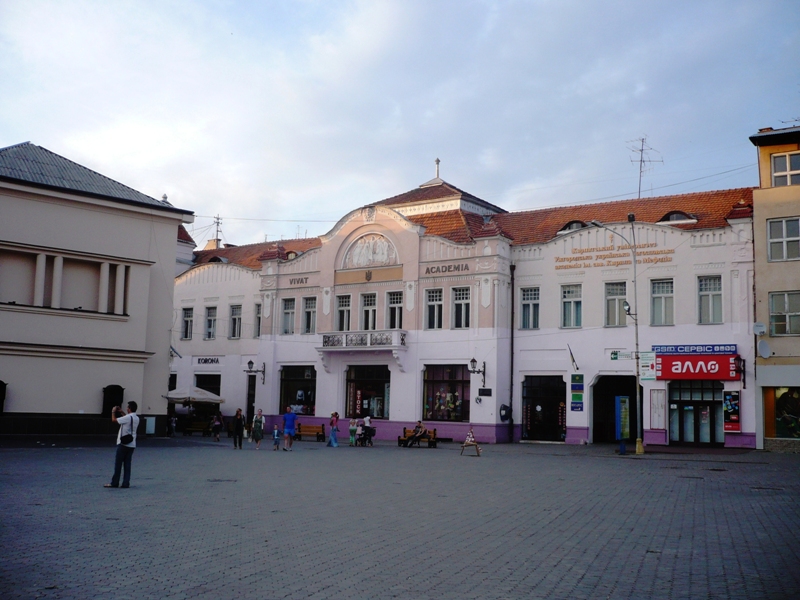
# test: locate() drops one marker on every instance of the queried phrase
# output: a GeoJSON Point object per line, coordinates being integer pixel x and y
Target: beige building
{"type": "Point", "coordinates": [86, 281]}
{"type": "Point", "coordinates": [776, 223]}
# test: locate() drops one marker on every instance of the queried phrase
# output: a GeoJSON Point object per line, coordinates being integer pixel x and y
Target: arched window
{"type": "Point", "coordinates": [677, 216]}
{"type": "Point", "coordinates": [572, 226]}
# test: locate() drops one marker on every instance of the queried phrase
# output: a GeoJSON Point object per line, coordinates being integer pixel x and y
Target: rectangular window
{"type": "Point", "coordinates": [343, 313]}
{"type": "Point", "coordinates": [784, 313]}
{"type": "Point", "coordinates": [309, 315]}
{"type": "Point", "coordinates": [530, 308]}
{"type": "Point", "coordinates": [615, 304]}
{"type": "Point", "coordinates": [661, 302]}
{"type": "Point", "coordinates": [571, 312]}
{"type": "Point", "coordinates": [785, 169]}
{"type": "Point", "coordinates": [394, 301]}
{"type": "Point", "coordinates": [369, 308]}
{"type": "Point", "coordinates": [461, 308]}
{"type": "Point", "coordinates": [446, 393]}
{"type": "Point", "coordinates": [433, 309]}
{"type": "Point", "coordinates": [211, 322]}
{"type": "Point", "coordinates": [188, 323]}
{"type": "Point", "coordinates": [236, 321]}
{"type": "Point", "coordinates": [784, 239]}
{"type": "Point", "coordinates": [710, 299]}
{"type": "Point", "coordinates": [257, 325]}
{"type": "Point", "coordinates": [288, 316]}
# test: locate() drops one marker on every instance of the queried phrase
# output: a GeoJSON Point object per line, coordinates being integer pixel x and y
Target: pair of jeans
{"type": "Point", "coordinates": [333, 442]}
{"type": "Point", "coordinates": [123, 459]}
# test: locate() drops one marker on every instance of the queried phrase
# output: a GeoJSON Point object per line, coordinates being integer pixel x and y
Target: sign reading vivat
{"type": "Point", "coordinates": [721, 367]}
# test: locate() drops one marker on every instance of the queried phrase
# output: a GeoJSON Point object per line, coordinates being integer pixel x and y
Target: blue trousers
{"type": "Point", "coordinates": [333, 441]}
{"type": "Point", "coordinates": [123, 459]}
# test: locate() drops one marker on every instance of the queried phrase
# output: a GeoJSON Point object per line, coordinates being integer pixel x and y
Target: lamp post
{"type": "Point", "coordinates": [262, 370]}
{"type": "Point", "coordinates": [473, 368]}
{"type": "Point", "coordinates": [635, 316]}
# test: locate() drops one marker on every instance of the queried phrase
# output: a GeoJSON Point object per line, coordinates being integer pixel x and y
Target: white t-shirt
{"type": "Point", "coordinates": [128, 424]}
{"type": "Point", "coordinates": [368, 421]}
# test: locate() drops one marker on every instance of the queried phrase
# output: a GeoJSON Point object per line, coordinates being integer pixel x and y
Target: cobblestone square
{"type": "Point", "coordinates": [203, 520]}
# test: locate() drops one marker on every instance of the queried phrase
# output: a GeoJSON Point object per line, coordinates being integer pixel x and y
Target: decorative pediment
{"type": "Point", "coordinates": [371, 250]}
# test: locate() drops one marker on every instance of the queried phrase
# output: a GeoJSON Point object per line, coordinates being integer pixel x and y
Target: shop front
{"type": "Point", "coordinates": [299, 389]}
{"type": "Point", "coordinates": [446, 393]}
{"type": "Point", "coordinates": [368, 391]}
{"type": "Point", "coordinates": [544, 408]}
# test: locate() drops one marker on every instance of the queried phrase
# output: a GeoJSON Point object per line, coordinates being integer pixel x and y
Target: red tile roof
{"type": "Point", "coordinates": [183, 235]}
{"type": "Point", "coordinates": [248, 255]}
{"type": "Point", "coordinates": [436, 191]}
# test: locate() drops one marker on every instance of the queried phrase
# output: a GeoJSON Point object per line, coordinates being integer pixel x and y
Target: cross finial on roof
{"type": "Point", "coordinates": [437, 161]}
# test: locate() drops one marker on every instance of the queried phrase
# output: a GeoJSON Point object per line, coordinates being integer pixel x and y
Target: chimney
{"type": "Point", "coordinates": [213, 244]}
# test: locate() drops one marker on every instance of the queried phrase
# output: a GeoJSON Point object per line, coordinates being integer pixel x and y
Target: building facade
{"type": "Point", "coordinates": [776, 224]}
{"type": "Point", "coordinates": [86, 284]}
{"type": "Point", "coordinates": [437, 305]}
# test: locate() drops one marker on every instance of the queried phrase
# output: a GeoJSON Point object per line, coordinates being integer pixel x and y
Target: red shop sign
{"type": "Point", "coordinates": [697, 366]}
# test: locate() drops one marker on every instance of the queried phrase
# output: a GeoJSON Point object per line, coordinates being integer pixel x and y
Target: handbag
{"type": "Point", "coordinates": [128, 437]}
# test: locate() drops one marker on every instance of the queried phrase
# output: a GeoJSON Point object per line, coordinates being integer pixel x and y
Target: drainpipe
{"type": "Point", "coordinates": [513, 268]}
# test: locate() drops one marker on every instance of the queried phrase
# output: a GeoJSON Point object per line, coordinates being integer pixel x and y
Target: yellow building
{"type": "Point", "coordinates": [776, 223]}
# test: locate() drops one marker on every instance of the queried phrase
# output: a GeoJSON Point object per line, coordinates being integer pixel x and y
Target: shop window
{"type": "Point", "coordinates": [786, 169]}
{"type": "Point", "coordinates": [461, 308]}
{"type": "Point", "coordinates": [188, 323]}
{"type": "Point", "coordinates": [530, 308]}
{"type": "Point", "coordinates": [309, 315]}
{"type": "Point", "coordinates": [211, 323]}
{"type": "Point", "coordinates": [784, 239]}
{"type": "Point", "coordinates": [369, 311]}
{"type": "Point", "coordinates": [236, 321]}
{"type": "Point", "coordinates": [299, 389]}
{"type": "Point", "coordinates": [368, 391]}
{"type": "Point", "coordinates": [208, 382]}
{"type": "Point", "coordinates": [615, 301]}
{"type": "Point", "coordinates": [782, 412]}
{"type": "Point", "coordinates": [446, 393]}
{"type": "Point", "coordinates": [661, 302]}
{"type": "Point", "coordinates": [342, 313]}
{"type": "Point", "coordinates": [571, 308]}
{"type": "Point", "coordinates": [710, 299]}
{"type": "Point", "coordinates": [434, 309]}
{"type": "Point", "coordinates": [784, 313]}
{"type": "Point", "coordinates": [257, 322]}
{"type": "Point", "coordinates": [394, 301]}
{"type": "Point", "coordinates": [288, 316]}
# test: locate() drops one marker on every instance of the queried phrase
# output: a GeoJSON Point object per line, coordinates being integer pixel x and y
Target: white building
{"type": "Point", "coordinates": [383, 314]}
{"type": "Point", "coordinates": [86, 286]}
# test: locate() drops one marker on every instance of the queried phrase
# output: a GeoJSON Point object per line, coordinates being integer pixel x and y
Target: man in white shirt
{"type": "Point", "coordinates": [126, 443]}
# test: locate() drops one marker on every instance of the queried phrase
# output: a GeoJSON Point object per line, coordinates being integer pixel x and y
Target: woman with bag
{"type": "Point", "coordinates": [257, 431]}
{"type": "Point", "coordinates": [332, 442]}
{"type": "Point", "coordinates": [238, 429]}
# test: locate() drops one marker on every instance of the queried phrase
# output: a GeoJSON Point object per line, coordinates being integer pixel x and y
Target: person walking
{"type": "Point", "coordinates": [276, 437]}
{"type": "Point", "coordinates": [238, 429]}
{"type": "Point", "coordinates": [332, 441]}
{"type": "Point", "coordinates": [126, 443]}
{"type": "Point", "coordinates": [289, 420]}
{"type": "Point", "coordinates": [216, 425]}
{"type": "Point", "coordinates": [353, 430]}
{"type": "Point", "coordinates": [257, 431]}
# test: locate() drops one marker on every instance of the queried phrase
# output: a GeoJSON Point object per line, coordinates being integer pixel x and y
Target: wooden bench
{"type": "Point", "coordinates": [309, 430]}
{"type": "Point", "coordinates": [201, 426]}
{"type": "Point", "coordinates": [429, 437]}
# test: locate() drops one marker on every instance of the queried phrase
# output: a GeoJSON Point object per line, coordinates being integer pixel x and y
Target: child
{"type": "Point", "coordinates": [276, 437]}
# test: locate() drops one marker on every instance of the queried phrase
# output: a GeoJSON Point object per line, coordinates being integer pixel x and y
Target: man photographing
{"type": "Point", "coordinates": [126, 443]}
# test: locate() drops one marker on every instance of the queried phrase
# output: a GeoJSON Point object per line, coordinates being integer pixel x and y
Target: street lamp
{"type": "Point", "coordinates": [634, 316]}
{"type": "Point", "coordinates": [251, 371]}
{"type": "Point", "coordinates": [473, 368]}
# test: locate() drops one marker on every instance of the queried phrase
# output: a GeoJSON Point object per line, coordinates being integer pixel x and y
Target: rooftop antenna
{"type": "Point", "coordinates": [437, 161]}
{"type": "Point", "coordinates": [217, 223]}
{"type": "Point", "coordinates": [642, 149]}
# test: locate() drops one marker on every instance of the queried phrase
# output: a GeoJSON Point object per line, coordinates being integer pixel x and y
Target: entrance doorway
{"type": "Point", "coordinates": [544, 408]}
{"type": "Point", "coordinates": [604, 419]}
{"type": "Point", "coordinates": [368, 391]}
{"type": "Point", "coordinates": [696, 414]}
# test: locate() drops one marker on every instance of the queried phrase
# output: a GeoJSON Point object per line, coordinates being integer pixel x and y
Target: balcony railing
{"type": "Point", "coordinates": [371, 340]}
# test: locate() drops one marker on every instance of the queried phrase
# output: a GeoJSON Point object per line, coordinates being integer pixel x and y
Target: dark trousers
{"type": "Point", "coordinates": [237, 440]}
{"type": "Point", "coordinates": [415, 439]}
{"type": "Point", "coordinates": [123, 459]}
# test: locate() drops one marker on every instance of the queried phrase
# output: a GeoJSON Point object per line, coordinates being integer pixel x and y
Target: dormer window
{"type": "Point", "coordinates": [786, 169]}
{"type": "Point", "coordinates": [291, 255]}
{"type": "Point", "coordinates": [572, 226]}
{"type": "Point", "coordinates": [678, 216]}
{"type": "Point", "coordinates": [217, 259]}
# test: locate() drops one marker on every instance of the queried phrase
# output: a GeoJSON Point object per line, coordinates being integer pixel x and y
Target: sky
{"type": "Point", "coordinates": [283, 116]}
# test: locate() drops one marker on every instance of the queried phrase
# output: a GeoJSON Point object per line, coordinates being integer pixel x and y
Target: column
{"type": "Point", "coordinates": [102, 299]}
{"type": "Point", "coordinates": [38, 284]}
{"type": "Point", "coordinates": [119, 291]}
{"type": "Point", "coordinates": [58, 270]}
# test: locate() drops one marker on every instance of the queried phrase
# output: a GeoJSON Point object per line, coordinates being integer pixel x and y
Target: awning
{"type": "Point", "coordinates": [192, 394]}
